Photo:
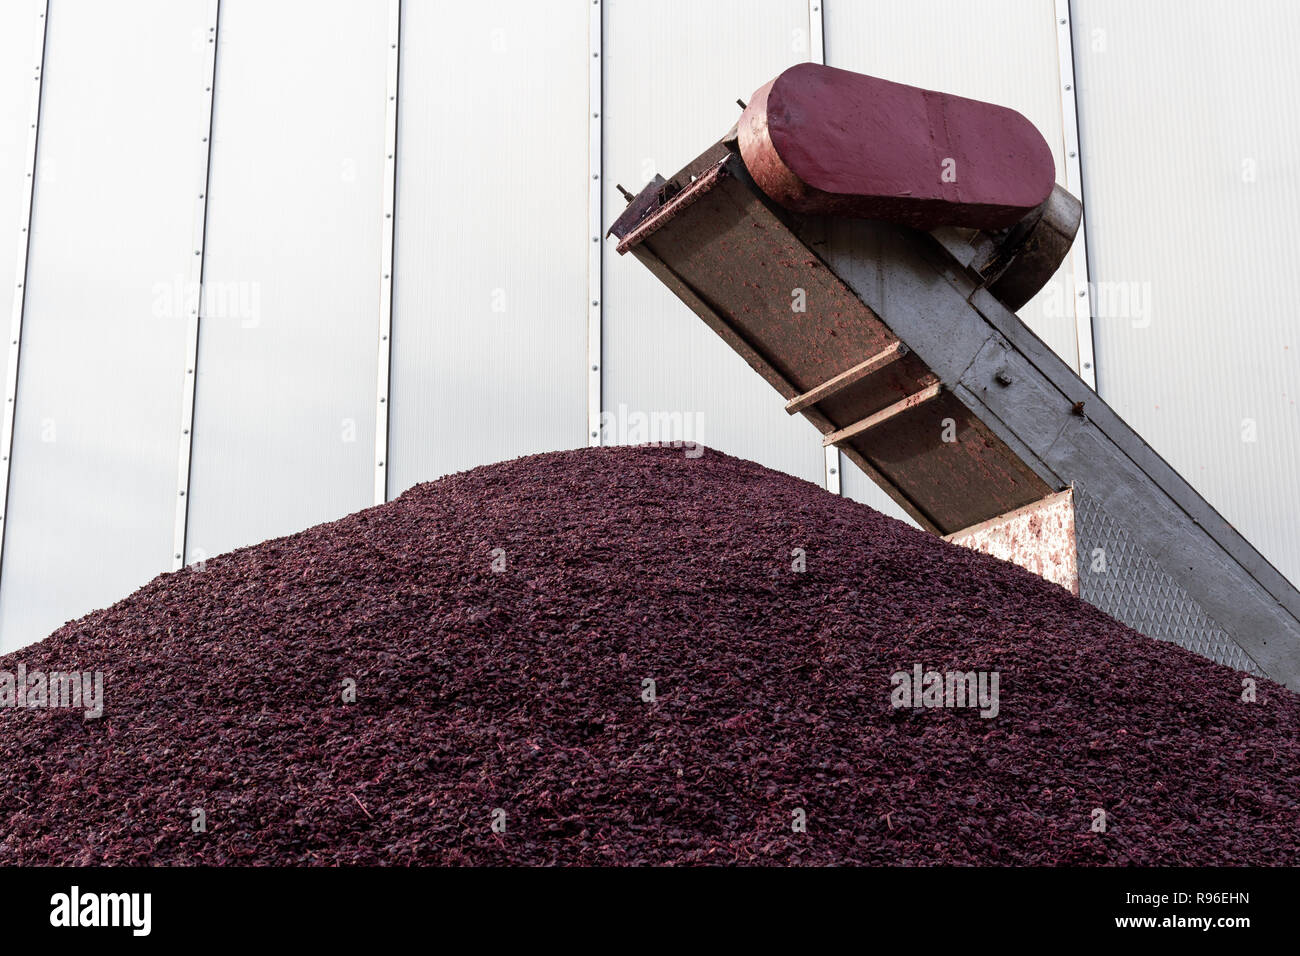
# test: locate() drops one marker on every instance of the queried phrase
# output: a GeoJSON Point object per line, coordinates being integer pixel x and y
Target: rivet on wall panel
{"type": "Point", "coordinates": [203, 167]}
{"type": "Point", "coordinates": [20, 271]}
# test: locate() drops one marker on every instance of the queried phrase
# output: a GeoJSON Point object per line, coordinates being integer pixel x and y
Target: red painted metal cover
{"type": "Point", "coordinates": [831, 142]}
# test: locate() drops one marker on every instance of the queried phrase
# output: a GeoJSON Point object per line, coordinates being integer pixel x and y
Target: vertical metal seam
{"type": "Point", "coordinates": [1081, 294]}
{"type": "Point", "coordinates": [20, 272]}
{"type": "Point", "coordinates": [388, 232]}
{"type": "Point", "coordinates": [595, 254]}
{"type": "Point", "coordinates": [194, 306]}
{"type": "Point", "coordinates": [834, 464]}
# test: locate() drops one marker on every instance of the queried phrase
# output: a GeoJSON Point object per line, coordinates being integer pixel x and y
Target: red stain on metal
{"type": "Point", "coordinates": [827, 141]}
{"type": "Point", "coordinates": [1039, 537]}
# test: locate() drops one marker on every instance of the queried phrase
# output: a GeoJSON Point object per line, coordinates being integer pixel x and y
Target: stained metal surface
{"type": "Point", "coordinates": [1040, 537]}
{"type": "Point", "coordinates": [726, 245]}
{"type": "Point", "coordinates": [284, 420]}
{"type": "Point", "coordinates": [668, 93]}
{"type": "Point", "coordinates": [491, 310]}
{"type": "Point", "coordinates": [1000, 51]}
{"type": "Point", "coordinates": [93, 476]}
{"type": "Point", "coordinates": [1198, 345]}
{"type": "Point", "coordinates": [825, 141]}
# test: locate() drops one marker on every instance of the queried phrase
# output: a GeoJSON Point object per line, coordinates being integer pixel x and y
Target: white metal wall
{"type": "Point", "coordinates": [490, 305]}
{"type": "Point", "coordinates": [1191, 149]}
{"type": "Point", "coordinates": [90, 509]}
{"type": "Point", "coordinates": [673, 72]}
{"type": "Point", "coordinates": [285, 409]}
{"type": "Point", "coordinates": [481, 321]}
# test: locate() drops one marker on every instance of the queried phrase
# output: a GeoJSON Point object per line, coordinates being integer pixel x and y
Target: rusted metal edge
{"type": "Point", "coordinates": [666, 213]}
{"type": "Point", "coordinates": [884, 415]}
{"type": "Point", "coordinates": [714, 320]}
{"type": "Point", "coordinates": [882, 359]}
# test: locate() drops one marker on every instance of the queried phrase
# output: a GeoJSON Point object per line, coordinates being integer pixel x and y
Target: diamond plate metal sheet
{"type": "Point", "coordinates": [1134, 589]}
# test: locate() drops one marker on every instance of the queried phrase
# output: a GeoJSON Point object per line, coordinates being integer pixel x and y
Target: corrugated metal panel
{"type": "Point", "coordinates": [1190, 146]}
{"type": "Point", "coordinates": [19, 26]}
{"type": "Point", "coordinates": [490, 302]}
{"type": "Point", "coordinates": [94, 461]}
{"type": "Point", "coordinates": [672, 77]}
{"type": "Point", "coordinates": [1001, 51]}
{"type": "Point", "coordinates": [284, 415]}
